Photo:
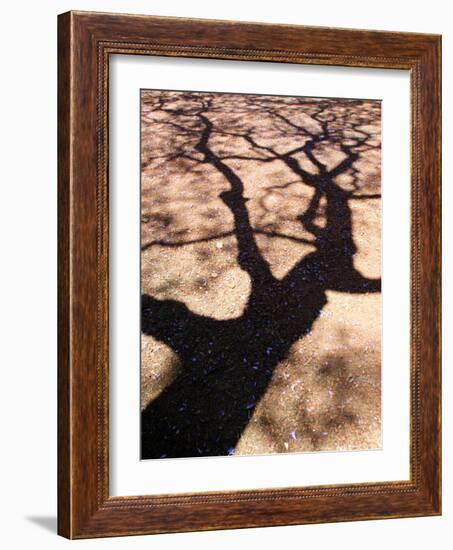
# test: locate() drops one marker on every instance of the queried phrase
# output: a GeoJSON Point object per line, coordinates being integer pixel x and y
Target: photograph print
{"type": "Point", "coordinates": [260, 274]}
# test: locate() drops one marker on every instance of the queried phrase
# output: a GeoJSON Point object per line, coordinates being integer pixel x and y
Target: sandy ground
{"type": "Point", "coordinates": [325, 394]}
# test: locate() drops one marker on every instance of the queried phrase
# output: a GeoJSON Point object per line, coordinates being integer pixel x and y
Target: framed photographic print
{"type": "Point", "coordinates": [249, 275]}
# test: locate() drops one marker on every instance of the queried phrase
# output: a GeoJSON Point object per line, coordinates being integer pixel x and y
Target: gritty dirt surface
{"type": "Point", "coordinates": [279, 277]}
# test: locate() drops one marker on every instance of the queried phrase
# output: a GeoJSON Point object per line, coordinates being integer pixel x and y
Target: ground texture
{"type": "Point", "coordinates": [261, 304]}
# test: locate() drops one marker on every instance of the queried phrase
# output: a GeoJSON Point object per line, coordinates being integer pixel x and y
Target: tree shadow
{"type": "Point", "coordinates": [226, 365]}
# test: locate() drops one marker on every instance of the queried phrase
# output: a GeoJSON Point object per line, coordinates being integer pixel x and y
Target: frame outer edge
{"type": "Point", "coordinates": [432, 272]}
{"type": "Point", "coordinates": [82, 512]}
{"type": "Point", "coordinates": [439, 161]}
{"type": "Point", "coordinates": [64, 316]}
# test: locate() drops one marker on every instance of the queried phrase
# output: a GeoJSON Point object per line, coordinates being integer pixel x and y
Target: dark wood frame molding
{"type": "Point", "coordinates": [85, 42]}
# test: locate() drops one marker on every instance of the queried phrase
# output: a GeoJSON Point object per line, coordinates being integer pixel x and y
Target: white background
{"type": "Point", "coordinates": [28, 287]}
{"type": "Point", "coordinates": [129, 476]}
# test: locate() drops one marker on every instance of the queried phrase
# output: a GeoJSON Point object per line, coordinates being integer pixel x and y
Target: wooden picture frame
{"type": "Point", "coordinates": [85, 41]}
